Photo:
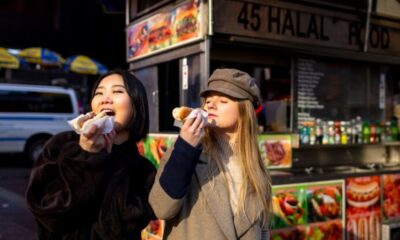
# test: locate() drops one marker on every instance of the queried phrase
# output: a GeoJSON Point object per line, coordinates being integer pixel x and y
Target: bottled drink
{"type": "Point", "coordinates": [325, 133]}
{"type": "Point", "coordinates": [388, 132]}
{"type": "Point", "coordinates": [343, 130]}
{"type": "Point", "coordinates": [331, 132]}
{"type": "Point", "coordinates": [394, 130]}
{"type": "Point", "coordinates": [358, 130]}
{"type": "Point", "coordinates": [366, 133]}
{"type": "Point", "coordinates": [313, 134]}
{"type": "Point", "coordinates": [353, 131]}
{"type": "Point", "coordinates": [337, 132]}
{"type": "Point", "coordinates": [349, 130]}
{"type": "Point", "coordinates": [319, 131]}
{"type": "Point", "coordinates": [373, 134]}
{"type": "Point", "coordinates": [379, 133]}
{"type": "Point", "coordinates": [304, 134]}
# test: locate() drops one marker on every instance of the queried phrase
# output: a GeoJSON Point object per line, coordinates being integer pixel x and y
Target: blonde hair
{"type": "Point", "coordinates": [256, 180]}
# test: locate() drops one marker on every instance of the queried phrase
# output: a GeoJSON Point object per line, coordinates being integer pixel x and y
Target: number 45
{"type": "Point", "coordinates": [254, 20]}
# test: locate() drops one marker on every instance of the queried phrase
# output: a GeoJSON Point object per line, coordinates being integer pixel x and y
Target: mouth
{"type": "Point", "coordinates": [211, 115]}
{"type": "Point", "coordinates": [109, 112]}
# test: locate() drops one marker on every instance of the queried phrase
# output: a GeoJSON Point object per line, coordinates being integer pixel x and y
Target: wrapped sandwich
{"type": "Point", "coordinates": [83, 123]}
{"type": "Point", "coordinates": [180, 114]}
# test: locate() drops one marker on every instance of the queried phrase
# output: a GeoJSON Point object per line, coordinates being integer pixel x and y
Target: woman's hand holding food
{"type": "Point", "coordinates": [192, 130]}
{"type": "Point", "coordinates": [94, 140]}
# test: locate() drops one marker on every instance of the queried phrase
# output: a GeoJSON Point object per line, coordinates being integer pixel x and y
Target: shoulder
{"type": "Point", "coordinates": [64, 137]}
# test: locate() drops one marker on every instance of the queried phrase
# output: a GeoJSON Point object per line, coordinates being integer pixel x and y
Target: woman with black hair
{"type": "Point", "coordinates": [95, 185]}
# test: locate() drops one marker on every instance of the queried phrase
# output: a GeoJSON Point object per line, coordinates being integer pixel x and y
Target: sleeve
{"type": "Point", "coordinates": [173, 179]}
{"type": "Point", "coordinates": [64, 182]}
{"type": "Point", "coordinates": [129, 210]}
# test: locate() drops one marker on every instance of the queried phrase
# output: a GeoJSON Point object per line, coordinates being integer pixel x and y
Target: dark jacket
{"type": "Point", "coordinates": [75, 194]}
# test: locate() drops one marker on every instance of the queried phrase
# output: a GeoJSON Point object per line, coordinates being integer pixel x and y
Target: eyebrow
{"type": "Point", "coordinates": [113, 86]}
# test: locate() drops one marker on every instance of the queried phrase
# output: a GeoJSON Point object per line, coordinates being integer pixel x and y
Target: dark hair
{"type": "Point", "coordinates": [138, 125]}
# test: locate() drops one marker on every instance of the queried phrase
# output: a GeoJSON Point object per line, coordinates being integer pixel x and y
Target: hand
{"type": "Point", "coordinates": [192, 130]}
{"type": "Point", "coordinates": [94, 140]}
{"type": "Point", "coordinates": [109, 140]}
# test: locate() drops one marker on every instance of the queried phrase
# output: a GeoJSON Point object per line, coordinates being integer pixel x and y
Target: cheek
{"type": "Point", "coordinates": [93, 104]}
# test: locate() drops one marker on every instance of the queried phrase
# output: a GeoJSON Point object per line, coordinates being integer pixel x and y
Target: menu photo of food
{"type": "Point", "coordinates": [160, 31]}
{"type": "Point", "coordinates": [292, 233]}
{"type": "Point", "coordinates": [363, 208]}
{"type": "Point", "coordinates": [325, 203]}
{"type": "Point", "coordinates": [186, 23]}
{"type": "Point", "coordinates": [276, 150]}
{"type": "Point", "coordinates": [391, 196]}
{"type": "Point", "coordinates": [328, 230]}
{"type": "Point", "coordinates": [289, 207]}
{"type": "Point", "coordinates": [155, 146]}
{"type": "Point", "coordinates": [138, 39]}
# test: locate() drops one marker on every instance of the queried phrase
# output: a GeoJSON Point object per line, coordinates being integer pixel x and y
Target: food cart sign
{"type": "Point", "coordinates": [280, 21]}
{"type": "Point", "coordinates": [165, 30]}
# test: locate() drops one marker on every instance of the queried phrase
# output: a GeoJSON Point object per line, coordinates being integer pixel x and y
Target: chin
{"type": "Point", "coordinates": [118, 127]}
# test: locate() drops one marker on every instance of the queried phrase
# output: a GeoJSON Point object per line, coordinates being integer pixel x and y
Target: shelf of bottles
{"type": "Point", "coordinates": [355, 131]}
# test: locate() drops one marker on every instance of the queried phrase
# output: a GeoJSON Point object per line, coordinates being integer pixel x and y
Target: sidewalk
{"type": "Point", "coordinates": [16, 222]}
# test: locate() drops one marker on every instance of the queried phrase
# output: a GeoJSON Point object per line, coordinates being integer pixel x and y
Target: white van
{"type": "Point", "coordinates": [31, 114]}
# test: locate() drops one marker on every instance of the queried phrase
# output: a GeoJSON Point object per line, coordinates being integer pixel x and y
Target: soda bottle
{"type": "Point", "coordinates": [304, 134]}
{"type": "Point", "coordinates": [379, 133]}
{"type": "Point", "coordinates": [394, 130]}
{"type": "Point", "coordinates": [343, 129]}
{"type": "Point", "coordinates": [350, 136]}
{"type": "Point", "coordinates": [319, 131]}
{"type": "Point", "coordinates": [325, 133]}
{"type": "Point", "coordinates": [358, 130]}
{"type": "Point", "coordinates": [331, 132]}
{"type": "Point", "coordinates": [313, 134]}
{"type": "Point", "coordinates": [337, 132]}
{"type": "Point", "coordinates": [366, 133]}
{"type": "Point", "coordinates": [388, 132]}
{"type": "Point", "coordinates": [373, 133]}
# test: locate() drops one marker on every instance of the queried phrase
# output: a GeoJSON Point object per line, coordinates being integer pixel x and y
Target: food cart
{"type": "Point", "coordinates": [329, 78]}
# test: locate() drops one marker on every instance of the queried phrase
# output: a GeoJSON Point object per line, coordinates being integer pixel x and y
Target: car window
{"type": "Point", "coordinates": [35, 102]}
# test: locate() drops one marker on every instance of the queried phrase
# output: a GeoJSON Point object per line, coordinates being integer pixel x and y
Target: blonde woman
{"type": "Point", "coordinates": [212, 184]}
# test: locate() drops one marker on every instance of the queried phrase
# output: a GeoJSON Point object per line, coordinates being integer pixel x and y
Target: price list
{"type": "Point", "coordinates": [308, 80]}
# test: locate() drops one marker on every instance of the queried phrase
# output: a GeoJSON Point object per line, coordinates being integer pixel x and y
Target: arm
{"type": "Point", "coordinates": [64, 183]}
{"type": "Point", "coordinates": [173, 179]}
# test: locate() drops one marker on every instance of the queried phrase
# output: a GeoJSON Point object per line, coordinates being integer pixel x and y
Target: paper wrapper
{"type": "Point", "coordinates": [193, 114]}
{"type": "Point", "coordinates": [105, 123]}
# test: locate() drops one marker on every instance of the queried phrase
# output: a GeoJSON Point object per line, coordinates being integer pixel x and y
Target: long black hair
{"type": "Point", "coordinates": [138, 125]}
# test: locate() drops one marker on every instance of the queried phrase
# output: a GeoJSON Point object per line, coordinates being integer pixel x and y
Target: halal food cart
{"type": "Point", "coordinates": [329, 78]}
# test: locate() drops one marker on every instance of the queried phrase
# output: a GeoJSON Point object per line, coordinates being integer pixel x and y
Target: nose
{"type": "Point", "coordinates": [211, 104]}
{"type": "Point", "coordinates": [106, 99]}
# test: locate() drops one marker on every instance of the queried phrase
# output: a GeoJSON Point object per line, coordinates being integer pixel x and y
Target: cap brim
{"type": "Point", "coordinates": [223, 91]}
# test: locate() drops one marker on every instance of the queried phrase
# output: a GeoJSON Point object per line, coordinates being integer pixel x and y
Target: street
{"type": "Point", "coordinates": [16, 222]}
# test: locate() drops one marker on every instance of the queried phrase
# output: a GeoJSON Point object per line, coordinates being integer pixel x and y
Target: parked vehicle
{"type": "Point", "coordinates": [31, 114]}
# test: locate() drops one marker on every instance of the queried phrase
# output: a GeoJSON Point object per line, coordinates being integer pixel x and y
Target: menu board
{"type": "Point", "coordinates": [308, 79]}
{"type": "Point", "coordinates": [335, 90]}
